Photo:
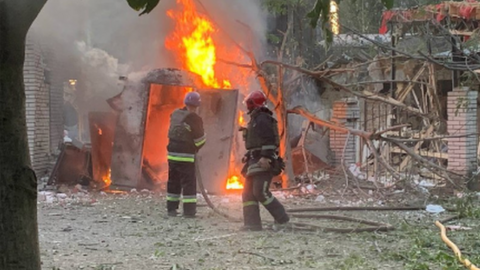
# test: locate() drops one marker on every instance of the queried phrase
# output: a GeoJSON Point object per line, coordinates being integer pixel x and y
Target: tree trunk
{"type": "Point", "coordinates": [19, 247]}
{"type": "Point", "coordinates": [18, 186]}
{"type": "Point", "coordinates": [285, 150]}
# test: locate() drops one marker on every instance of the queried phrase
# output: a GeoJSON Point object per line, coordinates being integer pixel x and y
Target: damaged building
{"type": "Point", "coordinates": [427, 73]}
{"type": "Point", "coordinates": [119, 147]}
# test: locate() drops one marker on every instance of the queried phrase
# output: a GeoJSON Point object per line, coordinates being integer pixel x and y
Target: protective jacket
{"type": "Point", "coordinates": [186, 135]}
{"type": "Point", "coordinates": [261, 139]}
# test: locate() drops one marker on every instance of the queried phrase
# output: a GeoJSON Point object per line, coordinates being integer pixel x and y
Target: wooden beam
{"type": "Point", "coordinates": [407, 159]}
{"type": "Point", "coordinates": [404, 92]}
{"type": "Point", "coordinates": [423, 153]}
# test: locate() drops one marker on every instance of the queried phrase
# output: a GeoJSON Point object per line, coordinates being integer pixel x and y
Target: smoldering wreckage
{"type": "Point", "coordinates": [127, 148]}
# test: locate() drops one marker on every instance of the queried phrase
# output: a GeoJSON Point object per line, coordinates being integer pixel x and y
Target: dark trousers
{"type": "Point", "coordinates": [181, 177]}
{"type": "Point", "coordinates": [257, 190]}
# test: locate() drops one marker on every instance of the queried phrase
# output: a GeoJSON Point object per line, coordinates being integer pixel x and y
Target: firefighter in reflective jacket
{"type": "Point", "coordinates": [262, 163]}
{"type": "Point", "coordinates": [186, 136]}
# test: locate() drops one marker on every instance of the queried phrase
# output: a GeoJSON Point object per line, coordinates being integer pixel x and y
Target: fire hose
{"type": "Point", "coordinates": [374, 226]}
{"type": "Point", "coordinates": [207, 199]}
{"type": "Point", "coordinates": [455, 249]}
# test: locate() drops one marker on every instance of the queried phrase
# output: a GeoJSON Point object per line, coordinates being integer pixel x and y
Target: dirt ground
{"type": "Point", "coordinates": [131, 231]}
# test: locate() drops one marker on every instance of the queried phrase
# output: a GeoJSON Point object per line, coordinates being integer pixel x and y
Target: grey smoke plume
{"type": "Point", "coordinates": [95, 41]}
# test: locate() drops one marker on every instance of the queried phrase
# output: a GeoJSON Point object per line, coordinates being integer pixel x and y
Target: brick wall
{"type": "Point", "coordinates": [376, 115]}
{"type": "Point", "coordinates": [37, 108]}
{"type": "Point", "coordinates": [55, 77]}
{"type": "Point", "coordinates": [347, 113]}
{"type": "Point", "coordinates": [462, 119]}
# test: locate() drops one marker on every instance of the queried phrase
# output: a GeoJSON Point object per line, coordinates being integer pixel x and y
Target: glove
{"type": "Point", "coordinates": [264, 163]}
{"type": "Point", "coordinates": [245, 158]}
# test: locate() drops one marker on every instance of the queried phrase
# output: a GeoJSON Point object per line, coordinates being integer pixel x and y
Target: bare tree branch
{"type": "Point", "coordinates": [435, 138]}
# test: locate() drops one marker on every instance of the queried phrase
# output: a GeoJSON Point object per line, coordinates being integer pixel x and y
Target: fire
{"type": "Point", "coordinates": [334, 17]}
{"type": "Point", "coordinates": [107, 179]}
{"type": "Point", "coordinates": [234, 183]}
{"type": "Point", "coordinates": [193, 41]}
{"type": "Point", "coordinates": [241, 120]}
{"type": "Point", "coordinates": [195, 48]}
{"type": "Point", "coordinates": [100, 131]}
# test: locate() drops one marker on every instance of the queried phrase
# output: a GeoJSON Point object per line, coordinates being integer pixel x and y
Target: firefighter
{"type": "Point", "coordinates": [186, 136]}
{"type": "Point", "coordinates": [261, 164]}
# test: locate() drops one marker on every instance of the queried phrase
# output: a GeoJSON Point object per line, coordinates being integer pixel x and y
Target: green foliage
{"type": "Point", "coordinates": [423, 249]}
{"type": "Point", "coordinates": [146, 6]}
{"type": "Point", "coordinates": [364, 16]}
{"type": "Point", "coordinates": [273, 39]}
{"type": "Point", "coordinates": [388, 3]}
{"type": "Point", "coordinates": [466, 207]}
{"type": "Point", "coordinates": [353, 261]}
{"type": "Point", "coordinates": [279, 6]}
{"type": "Point", "coordinates": [321, 11]}
{"type": "Point", "coordinates": [462, 104]}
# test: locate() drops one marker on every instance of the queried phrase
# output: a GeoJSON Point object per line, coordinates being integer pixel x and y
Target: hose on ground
{"type": "Point", "coordinates": [207, 199]}
{"type": "Point", "coordinates": [357, 208]}
{"type": "Point", "coordinates": [375, 226]}
{"type": "Point", "coordinates": [456, 251]}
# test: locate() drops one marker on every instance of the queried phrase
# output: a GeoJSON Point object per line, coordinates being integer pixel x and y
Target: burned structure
{"type": "Point", "coordinates": [129, 145]}
{"type": "Point", "coordinates": [141, 131]}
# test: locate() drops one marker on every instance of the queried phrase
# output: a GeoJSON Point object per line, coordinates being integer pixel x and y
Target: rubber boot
{"type": "Point", "coordinates": [189, 210]}
{"type": "Point", "coordinates": [251, 218]}
{"type": "Point", "coordinates": [276, 209]}
{"type": "Point", "coordinates": [172, 207]}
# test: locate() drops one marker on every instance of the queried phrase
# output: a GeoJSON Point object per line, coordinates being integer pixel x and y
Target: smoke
{"type": "Point", "coordinates": [243, 20]}
{"type": "Point", "coordinates": [96, 41]}
{"type": "Point", "coordinates": [101, 60]}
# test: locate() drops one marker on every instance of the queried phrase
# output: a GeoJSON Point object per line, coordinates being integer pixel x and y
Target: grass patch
{"type": "Point", "coordinates": [422, 248]}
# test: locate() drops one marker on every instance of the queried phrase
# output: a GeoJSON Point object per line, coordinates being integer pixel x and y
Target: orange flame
{"type": "Point", "coordinates": [241, 120]}
{"type": "Point", "coordinates": [234, 183]}
{"type": "Point", "coordinates": [100, 131]}
{"type": "Point", "coordinates": [107, 179]}
{"type": "Point", "coordinates": [193, 37]}
{"type": "Point", "coordinates": [196, 50]}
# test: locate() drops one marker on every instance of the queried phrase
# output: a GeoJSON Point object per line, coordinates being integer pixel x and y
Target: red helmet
{"type": "Point", "coordinates": [255, 100]}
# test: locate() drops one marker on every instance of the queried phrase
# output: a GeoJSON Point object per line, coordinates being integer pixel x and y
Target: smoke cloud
{"type": "Point", "coordinates": [97, 41]}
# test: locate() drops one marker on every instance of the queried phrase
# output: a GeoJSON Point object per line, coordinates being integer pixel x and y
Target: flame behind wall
{"type": "Point", "coordinates": [197, 44]}
{"type": "Point", "coordinates": [97, 41]}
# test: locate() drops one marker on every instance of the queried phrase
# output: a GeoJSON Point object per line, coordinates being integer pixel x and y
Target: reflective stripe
{"type": "Point", "coordinates": [173, 195]}
{"type": "Point", "coordinates": [187, 126]}
{"type": "Point", "coordinates": [254, 168]}
{"type": "Point", "coordinates": [268, 201]}
{"type": "Point", "coordinates": [181, 157]}
{"type": "Point", "coordinates": [265, 188]}
{"type": "Point", "coordinates": [191, 200]}
{"type": "Point", "coordinates": [197, 144]}
{"type": "Point", "coordinates": [269, 147]}
{"type": "Point", "coordinates": [173, 199]}
{"type": "Point", "coordinates": [249, 203]}
{"type": "Point", "coordinates": [180, 154]}
{"type": "Point", "coordinates": [200, 140]}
